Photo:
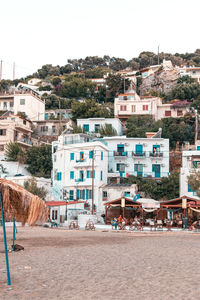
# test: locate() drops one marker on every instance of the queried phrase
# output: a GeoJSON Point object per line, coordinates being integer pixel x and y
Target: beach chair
{"type": "Point", "coordinates": [89, 225]}
{"type": "Point", "coordinates": [73, 225]}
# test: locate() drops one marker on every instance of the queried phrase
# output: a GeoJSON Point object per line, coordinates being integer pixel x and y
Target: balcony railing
{"type": "Point", "coordinates": [25, 141]}
{"type": "Point", "coordinates": [139, 154]}
{"type": "Point", "coordinates": [79, 180]}
{"type": "Point", "coordinates": [156, 154]}
{"type": "Point", "coordinates": [116, 153]}
{"type": "Point", "coordinates": [80, 160]}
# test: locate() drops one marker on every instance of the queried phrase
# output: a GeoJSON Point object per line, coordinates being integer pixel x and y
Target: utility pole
{"type": "Point", "coordinates": [59, 115]}
{"type": "Point", "coordinates": [14, 71]}
{"type": "Point", "coordinates": [92, 181]}
{"type": "Point", "coordinates": [124, 83]}
{"type": "Point", "coordinates": [158, 56]}
{"type": "Point", "coordinates": [196, 126]}
{"type": "Point", "coordinates": [1, 66]}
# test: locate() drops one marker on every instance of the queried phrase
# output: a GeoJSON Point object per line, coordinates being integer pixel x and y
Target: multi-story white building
{"type": "Point", "coordinates": [193, 72]}
{"type": "Point", "coordinates": [190, 165]}
{"type": "Point", "coordinates": [80, 167]}
{"type": "Point", "coordinates": [92, 125]}
{"type": "Point", "coordinates": [127, 105]}
{"type": "Point", "coordinates": [27, 102]}
{"type": "Point", "coordinates": [148, 157]}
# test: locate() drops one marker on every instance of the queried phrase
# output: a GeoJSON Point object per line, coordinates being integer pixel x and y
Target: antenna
{"type": "Point", "coordinates": [1, 66]}
{"type": "Point", "coordinates": [14, 71]}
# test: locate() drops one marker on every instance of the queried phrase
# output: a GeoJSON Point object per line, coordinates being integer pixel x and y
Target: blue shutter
{"type": "Point", "coordinates": [60, 175]}
{"type": "Point", "coordinates": [83, 194]}
{"type": "Point", "coordinates": [102, 155]}
{"type": "Point", "coordinates": [88, 174]}
{"type": "Point", "coordinates": [71, 195]}
{"type": "Point", "coordinates": [93, 174]}
{"type": "Point", "coordinates": [77, 194]}
{"type": "Point", "coordinates": [57, 176]}
{"type": "Point", "coordinates": [101, 175]}
{"type": "Point", "coordinates": [87, 194]}
{"type": "Point", "coordinates": [72, 156]}
{"type": "Point", "coordinates": [71, 174]}
{"type": "Point", "coordinates": [91, 154]}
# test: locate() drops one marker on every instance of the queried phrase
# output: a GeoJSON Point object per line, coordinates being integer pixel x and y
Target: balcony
{"type": "Point", "coordinates": [139, 154]}
{"type": "Point", "coordinates": [80, 180]}
{"type": "Point", "coordinates": [22, 127]}
{"type": "Point", "coordinates": [120, 154]}
{"type": "Point", "coordinates": [156, 154]}
{"type": "Point", "coordinates": [81, 160]}
{"type": "Point", "coordinates": [24, 142]}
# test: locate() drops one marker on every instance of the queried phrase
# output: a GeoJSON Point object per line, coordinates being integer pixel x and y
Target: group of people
{"type": "Point", "coordinates": [120, 223]}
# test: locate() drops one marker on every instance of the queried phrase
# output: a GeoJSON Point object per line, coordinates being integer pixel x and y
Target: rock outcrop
{"type": "Point", "coordinates": [161, 81]}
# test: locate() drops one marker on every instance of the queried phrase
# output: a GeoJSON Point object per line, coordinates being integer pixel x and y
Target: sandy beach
{"type": "Point", "coordinates": [63, 264]}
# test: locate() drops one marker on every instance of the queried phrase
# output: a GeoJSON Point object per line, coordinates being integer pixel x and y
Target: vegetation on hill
{"type": "Point", "coordinates": [31, 186]}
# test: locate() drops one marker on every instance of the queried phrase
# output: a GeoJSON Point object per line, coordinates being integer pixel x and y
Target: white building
{"type": "Point", "coordinates": [190, 165]}
{"type": "Point", "coordinates": [92, 125]}
{"type": "Point", "coordinates": [148, 157]}
{"type": "Point", "coordinates": [27, 102]}
{"type": "Point", "coordinates": [193, 72]}
{"type": "Point", "coordinates": [127, 105]}
{"type": "Point", "coordinates": [80, 167]}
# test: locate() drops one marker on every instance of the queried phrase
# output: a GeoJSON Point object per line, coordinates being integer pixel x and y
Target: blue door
{"type": "Point", "coordinates": [139, 150]}
{"type": "Point", "coordinates": [120, 148]}
{"type": "Point", "coordinates": [156, 170]}
{"type": "Point", "coordinates": [138, 169]}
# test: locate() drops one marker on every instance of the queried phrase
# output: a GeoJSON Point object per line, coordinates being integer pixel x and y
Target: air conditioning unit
{"type": "Point", "coordinates": [161, 145]}
{"type": "Point", "coordinates": [126, 144]}
{"type": "Point", "coordinates": [162, 165]}
{"type": "Point", "coordinates": [144, 165]}
{"type": "Point", "coordinates": [144, 144]}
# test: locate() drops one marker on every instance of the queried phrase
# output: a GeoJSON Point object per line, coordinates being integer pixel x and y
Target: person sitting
{"type": "Point", "coordinates": [114, 223]}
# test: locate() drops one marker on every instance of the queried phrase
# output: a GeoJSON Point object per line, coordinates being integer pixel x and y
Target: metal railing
{"type": "Point", "coordinates": [139, 154]}
{"type": "Point", "coordinates": [116, 153]}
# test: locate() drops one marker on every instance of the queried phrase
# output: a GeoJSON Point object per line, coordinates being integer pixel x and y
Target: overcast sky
{"type": "Point", "coordinates": [34, 33]}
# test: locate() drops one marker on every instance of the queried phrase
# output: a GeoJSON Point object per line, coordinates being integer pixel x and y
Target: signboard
{"type": "Point", "coordinates": [184, 203]}
{"type": "Point", "coordinates": [122, 202]}
{"type": "Point", "coordinates": [154, 205]}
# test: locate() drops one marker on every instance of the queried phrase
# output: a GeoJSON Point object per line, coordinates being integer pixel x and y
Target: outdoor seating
{"type": "Point", "coordinates": [179, 223]}
{"type": "Point", "coordinates": [73, 225]}
{"type": "Point", "coordinates": [169, 224]}
{"type": "Point", "coordinates": [159, 224]}
{"type": "Point", "coordinates": [152, 224]}
{"type": "Point", "coordinates": [89, 225]}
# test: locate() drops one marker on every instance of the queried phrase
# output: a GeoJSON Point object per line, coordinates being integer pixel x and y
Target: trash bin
{"type": "Point", "coordinates": [185, 222]}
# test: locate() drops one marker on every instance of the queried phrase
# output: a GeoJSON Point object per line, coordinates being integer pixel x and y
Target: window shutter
{"type": "Point", "coordinates": [87, 194]}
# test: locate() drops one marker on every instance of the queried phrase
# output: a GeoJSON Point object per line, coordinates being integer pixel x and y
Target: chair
{"type": "Point", "coordinates": [89, 225]}
{"type": "Point", "coordinates": [159, 224]}
{"type": "Point", "coordinates": [169, 224]}
{"type": "Point", "coordinates": [74, 225]}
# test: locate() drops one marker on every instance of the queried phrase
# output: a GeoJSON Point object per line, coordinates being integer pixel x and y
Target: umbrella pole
{"type": "Point", "coordinates": [5, 241]}
{"type": "Point", "coordinates": [14, 230]}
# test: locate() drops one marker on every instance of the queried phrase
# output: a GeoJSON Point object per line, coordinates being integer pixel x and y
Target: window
{"type": "Point", "coordinates": [96, 127]}
{"type": "Point", "coordinates": [138, 168]}
{"type": "Point", "coordinates": [123, 107]}
{"type": "Point", "coordinates": [101, 155]}
{"type": "Point", "coordinates": [81, 175]}
{"type": "Point", "coordinates": [139, 150]}
{"type": "Point", "coordinates": [105, 195]}
{"type": "Point", "coordinates": [53, 129]}
{"type": "Point", "coordinates": [71, 195]}
{"type": "Point", "coordinates": [145, 107]}
{"type": "Point", "coordinates": [82, 194]}
{"type": "Point", "coordinates": [22, 101]}
{"type": "Point", "coordinates": [168, 113]}
{"type": "Point", "coordinates": [89, 174]}
{"type": "Point", "coordinates": [3, 132]}
{"type": "Point", "coordinates": [54, 214]}
{"type": "Point", "coordinates": [72, 156]}
{"type": "Point", "coordinates": [5, 105]}
{"type": "Point", "coordinates": [101, 175]}
{"type": "Point", "coordinates": [196, 164]}
{"type": "Point", "coordinates": [90, 154]}
{"type": "Point", "coordinates": [81, 156]}
{"type": "Point", "coordinates": [71, 174]}
{"type": "Point", "coordinates": [156, 148]}
{"type": "Point", "coordinates": [46, 116]}
{"type": "Point", "coordinates": [133, 108]}
{"type": "Point", "coordinates": [190, 188]}
{"type": "Point", "coordinates": [59, 176]}
{"type": "Point", "coordinates": [24, 122]}
{"type": "Point", "coordinates": [86, 127]}
{"type": "Point", "coordinates": [1, 147]}
{"type": "Point", "coordinates": [11, 104]}
{"type": "Point", "coordinates": [198, 148]}
{"type": "Point", "coordinates": [120, 148]}
{"type": "Point", "coordinates": [120, 167]}
{"type": "Point", "coordinates": [44, 128]}
{"type": "Point", "coordinates": [88, 194]}
{"type": "Point", "coordinates": [179, 113]}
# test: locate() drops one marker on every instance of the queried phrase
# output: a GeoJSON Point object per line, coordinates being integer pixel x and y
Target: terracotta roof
{"type": "Point", "coordinates": [55, 203]}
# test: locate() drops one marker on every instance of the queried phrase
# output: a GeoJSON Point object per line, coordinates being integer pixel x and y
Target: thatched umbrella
{"type": "Point", "coordinates": [20, 204]}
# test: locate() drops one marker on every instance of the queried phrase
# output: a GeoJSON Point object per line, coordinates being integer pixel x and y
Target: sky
{"type": "Point", "coordinates": [39, 32]}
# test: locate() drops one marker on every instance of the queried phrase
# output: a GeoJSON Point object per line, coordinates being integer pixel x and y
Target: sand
{"type": "Point", "coordinates": [63, 264]}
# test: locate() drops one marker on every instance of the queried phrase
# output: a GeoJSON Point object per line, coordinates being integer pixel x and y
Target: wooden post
{"type": "Point", "coordinates": [123, 212]}
{"type": "Point", "coordinates": [106, 215]}
{"type": "Point", "coordinates": [5, 241]}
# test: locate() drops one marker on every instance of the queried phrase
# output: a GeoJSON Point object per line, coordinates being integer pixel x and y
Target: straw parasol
{"type": "Point", "coordinates": [20, 204]}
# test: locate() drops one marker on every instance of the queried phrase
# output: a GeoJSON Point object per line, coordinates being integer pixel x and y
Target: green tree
{"type": "Point", "coordinates": [78, 129]}
{"type": "Point", "coordinates": [186, 91]}
{"type": "Point", "coordinates": [14, 152]}
{"type": "Point", "coordinates": [194, 182]}
{"type": "Point", "coordinates": [31, 186]}
{"type": "Point", "coordinates": [77, 88]}
{"type": "Point", "coordinates": [5, 85]}
{"type": "Point", "coordinates": [138, 125]}
{"type": "Point", "coordinates": [39, 161]}
{"type": "Point", "coordinates": [115, 85]}
{"type": "Point", "coordinates": [107, 130]}
{"type": "Point", "coordinates": [88, 109]}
